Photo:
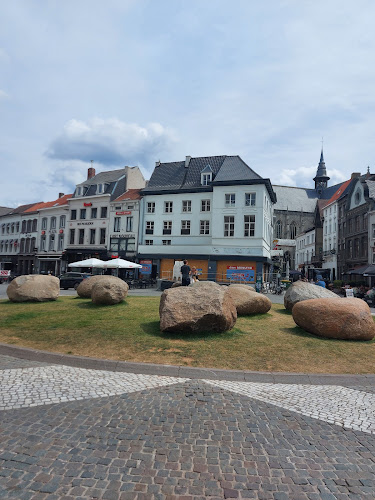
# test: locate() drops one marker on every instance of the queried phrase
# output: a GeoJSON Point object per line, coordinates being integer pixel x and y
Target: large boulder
{"type": "Point", "coordinates": [302, 290]}
{"type": "Point", "coordinates": [200, 307]}
{"type": "Point", "coordinates": [248, 302]}
{"type": "Point", "coordinates": [346, 319]}
{"type": "Point", "coordinates": [109, 290]}
{"type": "Point", "coordinates": [34, 288]}
{"type": "Point", "coordinates": [85, 287]}
{"type": "Point", "coordinates": [242, 285]}
{"type": "Point", "coordinates": [209, 285]}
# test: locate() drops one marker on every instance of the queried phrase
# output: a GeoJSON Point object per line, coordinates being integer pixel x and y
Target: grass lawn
{"type": "Point", "coordinates": [130, 332]}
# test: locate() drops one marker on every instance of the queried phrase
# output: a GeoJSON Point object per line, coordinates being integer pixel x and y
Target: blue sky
{"type": "Point", "coordinates": [129, 82]}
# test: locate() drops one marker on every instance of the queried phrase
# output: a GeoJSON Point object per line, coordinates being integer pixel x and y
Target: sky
{"type": "Point", "coordinates": [131, 82]}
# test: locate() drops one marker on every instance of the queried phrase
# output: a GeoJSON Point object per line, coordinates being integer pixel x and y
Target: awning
{"type": "Point", "coordinates": [359, 270]}
{"type": "Point", "coordinates": [370, 271]}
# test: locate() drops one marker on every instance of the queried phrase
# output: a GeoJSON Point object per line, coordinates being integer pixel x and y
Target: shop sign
{"type": "Point", "coordinates": [85, 223]}
{"type": "Point", "coordinates": [87, 204]}
{"type": "Point", "coordinates": [123, 213]}
{"type": "Point", "coordinates": [240, 273]}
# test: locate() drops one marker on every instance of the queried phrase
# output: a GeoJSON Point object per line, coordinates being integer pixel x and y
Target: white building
{"type": "Point", "coordinates": [214, 211]}
{"type": "Point", "coordinates": [305, 248]}
{"type": "Point", "coordinates": [89, 211]}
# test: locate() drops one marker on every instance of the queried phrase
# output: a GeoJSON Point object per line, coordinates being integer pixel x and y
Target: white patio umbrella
{"type": "Point", "coordinates": [121, 264]}
{"type": "Point", "coordinates": [88, 263]}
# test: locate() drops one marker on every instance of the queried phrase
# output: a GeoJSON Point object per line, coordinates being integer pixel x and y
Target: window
{"type": "Point", "coordinates": [103, 212]}
{"type": "Point", "coordinates": [206, 179]}
{"type": "Point", "coordinates": [83, 213]}
{"type": "Point", "coordinates": [167, 227]}
{"type": "Point", "coordinates": [92, 236]}
{"type": "Point", "coordinates": [17, 227]}
{"type": "Point", "coordinates": [129, 224]}
{"type": "Point", "coordinates": [228, 226]}
{"type": "Point", "coordinates": [373, 230]}
{"type": "Point", "coordinates": [44, 223]}
{"type": "Point", "coordinates": [186, 206]}
{"type": "Point", "coordinates": [293, 230]}
{"type": "Point", "coordinates": [81, 236]}
{"type": "Point", "coordinates": [73, 214]}
{"type": "Point", "coordinates": [100, 188]}
{"type": "Point", "coordinates": [230, 200]}
{"type": "Point", "coordinates": [102, 236]}
{"type": "Point", "coordinates": [60, 243]}
{"type": "Point", "coordinates": [167, 242]}
{"type": "Point", "coordinates": [118, 207]}
{"type": "Point", "coordinates": [250, 199]}
{"type": "Point", "coordinates": [94, 213]}
{"type": "Point", "coordinates": [62, 220]}
{"type": "Point", "coordinates": [72, 236]}
{"type": "Point", "coordinates": [51, 243]}
{"type": "Point", "coordinates": [79, 191]}
{"type": "Point", "coordinates": [149, 242]}
{"type": "Point", "coordinates": [150, 207]}
{"type": "Point", "coordinates": [43, 243]}
{"type": "Point", "coordinates": [206, 205]}
{"type": "Point", "coordinates": [12, 227]}
{"type": "Point", "coordinates": [279, 229]}
{"type": "Point", "coordinates": [168, 207]}
{"type": "Point", "coordinates": [116, 227]}
{"type": "Point", "coordinates": [34, 228]}
{"type": "Point", "coordinates": [204, 227]}
{"type": "Point", "coordinates": [249, 225]}
{"type": "Point", "coordinates": [53, 222]}
{"type": "Point", "coordinates": [185, 227]}
{"type": "Point", "coordinates": [150, 227]}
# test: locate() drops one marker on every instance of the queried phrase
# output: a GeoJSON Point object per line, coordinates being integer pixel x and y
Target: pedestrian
{"type": "Point", "coordinates": [185, 271]}
{"type": "Point", "coordinates": [320, 281]}
{"type": "Point", "coordinates": [194, 274]}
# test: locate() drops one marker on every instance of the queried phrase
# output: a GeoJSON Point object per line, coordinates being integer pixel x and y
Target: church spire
{"type": "Point", "coordinates": [321, 179]}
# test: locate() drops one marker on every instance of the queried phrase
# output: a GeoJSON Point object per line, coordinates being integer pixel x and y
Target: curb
{"type": "Point", "coordinates": [185, 371]}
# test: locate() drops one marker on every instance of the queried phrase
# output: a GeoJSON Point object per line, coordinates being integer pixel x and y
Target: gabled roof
{"type": "Point", "coordinates": [5, 210]}
{"type": "Point", "coordinates": [23, 208]}
{"type": "Point", "coordinates": [114, 181]}
{"type": "Point", "coordinates": [186, 176]}
{"type": "Point", "coordinates": [102, 177]}
{"type": "Point", "coordinates": [338, 193]}
{"type": "Point", "coordinates": [130, 194]}
{"type": "Point", "coordinates": [63, 200]}
{"type": "Point", "coordinates": [207, 169]}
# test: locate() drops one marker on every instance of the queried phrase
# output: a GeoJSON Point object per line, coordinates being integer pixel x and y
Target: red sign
{"type": "Point", "coordinates": [123, 213]}
{"type": "Point", "coordinates": [87, 204]}
{"type": "Point", "coordinates": [145, 261]}
{"type": "Point", "coordinates": [114, 256]}
{"type": "Point", "coordinates": [43, 232]}
{"type": "Point", "coordinates": [61, 231]}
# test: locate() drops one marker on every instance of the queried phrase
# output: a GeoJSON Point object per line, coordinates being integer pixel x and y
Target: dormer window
{"type": "Point", "coordinates": [100, 188]}
{"type": "Point", "coordinates": [206, 179]}
{"type": "Point", "coordinates": [79, 191]}
{"type": "Point", "coordinates": [206, 176]}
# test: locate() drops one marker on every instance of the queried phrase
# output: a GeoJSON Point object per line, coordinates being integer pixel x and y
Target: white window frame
{"type": "Point", "coordinates": [249, 226]}
{"type": "Point", "coordinates": [204, 227]}
{"type": "Point", "coordinates": [168, 207]}
{"type": "Point", "coordinates": [250, 199]}
{"type": "Point", "coordinates": [186, 205]}
{"type": "Point", "coordinates": [230, 199]}
{"type": "Point", "coordinates": [229, 226]}
{"type": "Point", "coordinates": [150, 207]}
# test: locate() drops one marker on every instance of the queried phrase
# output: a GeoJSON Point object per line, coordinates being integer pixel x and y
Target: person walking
{"type": "Point", "coordinates": [320, 281]}
{"type": "Point", "coordinates": [185, 271]}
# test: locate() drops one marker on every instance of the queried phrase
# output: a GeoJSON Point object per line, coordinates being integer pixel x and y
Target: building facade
{"type": "Point", "coordinates": [214, 211]}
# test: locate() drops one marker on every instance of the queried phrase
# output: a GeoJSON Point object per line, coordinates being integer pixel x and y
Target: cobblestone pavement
{"type": "Point", "coordinates": [153, 437]}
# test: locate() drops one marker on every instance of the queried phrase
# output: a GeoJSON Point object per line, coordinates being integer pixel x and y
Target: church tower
{"type": "Point", "coordinates": [321, 179]}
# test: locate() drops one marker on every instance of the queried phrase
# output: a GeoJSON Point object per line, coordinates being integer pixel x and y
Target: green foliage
{"type": "Point", "coordinates": [338, 283]}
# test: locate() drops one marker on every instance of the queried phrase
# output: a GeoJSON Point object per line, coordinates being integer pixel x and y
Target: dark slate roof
{"type": "Point", "coordinates": [22, 208]}
{"type": "Point", "coordinates": [235, 169]}
{"type": "Point", "coordinates": [176, 176]}
{"type": "Point", "coordinates": [114, 179]}
{"type": "Point", "coordinates": [295, 199]}
{"type": "Point", "coordinates": [5, 210]}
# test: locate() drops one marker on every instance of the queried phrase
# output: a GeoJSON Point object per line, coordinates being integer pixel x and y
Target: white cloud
{"type": "Point", "coordinates": [303, 176]}
{"type": "Point", "coordinates": [111, 142]}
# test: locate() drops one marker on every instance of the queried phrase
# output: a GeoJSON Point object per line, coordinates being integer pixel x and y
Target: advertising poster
{"type": "Point", "coordinates": [146, 266]}
{"type": "Point", "coordinates": [240, 273]}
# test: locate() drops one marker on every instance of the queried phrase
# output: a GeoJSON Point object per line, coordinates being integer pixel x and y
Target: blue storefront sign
{"type": "Point", "coordinates": [240, 273]}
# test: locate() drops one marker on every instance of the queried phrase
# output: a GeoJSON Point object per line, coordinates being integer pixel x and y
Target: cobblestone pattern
{"type": "Point", "coordinates": [331, 403]}
{"type": "Point", "coordinates": [42, 385]}
{"type": "Point", "coordinates": [189, 441]}
{"type": "Point", "coordinates": [7, 362]}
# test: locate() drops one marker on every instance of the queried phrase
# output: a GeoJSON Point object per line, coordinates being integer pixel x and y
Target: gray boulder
{"type": "Point", "coordinates": [84, 289]}
{"type": "Point", "coordinates": [247, 301]}
{"type": "Point", "coordinates": [246, 287]}
{"type": "Point", "coordinates": [34, 288]}
{"type": "Point", "coordinates": [109, 290]}
{"type": "Point", "coordinates": [201, 307]}
{"type": "Point", "coordinates": [301, 290]}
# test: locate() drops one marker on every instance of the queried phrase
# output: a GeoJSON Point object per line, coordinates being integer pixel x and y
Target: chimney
{"type": "Point", "coordinates": [187, 161]}
{"type": "Point", "coordinates": [61, 195]}
{"type": "Point", "coordinates": [355, 175]}
{"type": "Point", "coordinates": [90, 172]}
{"type": "Point", "coordinates": [157, 163]}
